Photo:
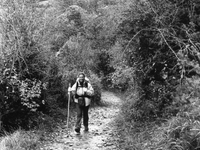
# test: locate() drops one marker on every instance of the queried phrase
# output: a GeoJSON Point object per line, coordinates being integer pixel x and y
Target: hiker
{"type": "Point", "coordinates": [82, 91]}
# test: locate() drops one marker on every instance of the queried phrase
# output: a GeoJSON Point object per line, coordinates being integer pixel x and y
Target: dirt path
{"type": "Point", "coordinates": [102, 133]}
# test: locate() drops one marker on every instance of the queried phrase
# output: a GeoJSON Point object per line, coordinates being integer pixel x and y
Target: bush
{"type": "Point", "coordinates": [20, 140]}
{"type": "Point", "coordinates": [23, 63]}
{"type": "Point", "coordinates": [32, 79]}
{"type": "Point", "coordinates": [103, 68]}
{"type": "Point", "coordinates": [180, 131]}
{"type": "Point", "coordinates": [161, 54]}
{"type": "Point", "coordinates": [123, 78]}
{"type": "Point", "coordinates": [96, 84]}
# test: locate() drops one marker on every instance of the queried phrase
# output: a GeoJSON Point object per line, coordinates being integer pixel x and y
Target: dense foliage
{"type": "Point", "coordinates": [40, 56]}
{"type": "Point", "coordinates": [148, 49]}
{"type": "Point", "coordinates": [161, 44]}
{"type": "Point", "coordinates": [23, 63]}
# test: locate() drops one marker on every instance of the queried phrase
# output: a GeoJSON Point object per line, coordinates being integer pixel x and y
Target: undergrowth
{"type": "Point", "coordinates": [32, 139]}
{"type": "Point", "coordinates": [20, 140]}
{"type": "Point", "coordinates": [179, 132]}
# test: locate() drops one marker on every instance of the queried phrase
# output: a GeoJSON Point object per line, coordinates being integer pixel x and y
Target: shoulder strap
{"type": "Point", "coordinates": [85, 84]}
{"type": "Point", "coordinates": [76, 86]}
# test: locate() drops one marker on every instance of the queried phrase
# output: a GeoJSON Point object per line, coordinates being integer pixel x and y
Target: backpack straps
{"type": "Point", "coordinates": [85, 84]}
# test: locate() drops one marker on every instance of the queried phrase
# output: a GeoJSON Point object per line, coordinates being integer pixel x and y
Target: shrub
{"type": "Point", "coordinates": [123, 78]}
{"type": "Point", "coordinates": [19, 140]}
{"type": "Point", "coordinates": [23, 65]}
{"type": "Point", "coordinates": [96, 84]}
{"type": "Point", "coordinates": [103, 68]}
{"type": "Point", "coordinates": [19, 98]}
{"type": "Point", "coordinates": [161, 54]}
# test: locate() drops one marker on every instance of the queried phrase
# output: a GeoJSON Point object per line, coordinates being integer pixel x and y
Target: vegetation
{"type": "Point", "coordinates": [161, 44]}
{"type": "Point", "coordinates": [33, 81]}
{"type": "Point", "coordinates": [148, 49]}
{"type": "Point", "coordinates": [20, 140]}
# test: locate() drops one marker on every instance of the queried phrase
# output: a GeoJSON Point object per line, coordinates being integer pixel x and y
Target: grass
{"type": "Point", "coordinates": [20, 140]}
{"type": "Point", "coordinates": [180, 132]}
{"type": "Point", "coordinates": [32, 139]}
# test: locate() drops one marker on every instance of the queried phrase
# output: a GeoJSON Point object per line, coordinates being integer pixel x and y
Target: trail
{"type": "Point", "coordinates": [102, 133]}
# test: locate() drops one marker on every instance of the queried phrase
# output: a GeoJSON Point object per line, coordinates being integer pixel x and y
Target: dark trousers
{"type": "Point", "coordinates": [82, 111]}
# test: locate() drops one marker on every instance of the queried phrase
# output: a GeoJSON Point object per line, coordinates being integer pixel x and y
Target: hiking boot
{"type": "Point", "coordinates": [86, 129]}
{"type": "Point", "coordinates": [77, 130]}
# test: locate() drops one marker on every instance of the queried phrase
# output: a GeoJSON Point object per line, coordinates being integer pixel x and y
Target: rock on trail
{"type": "Point", "coordinates": [102, 133]}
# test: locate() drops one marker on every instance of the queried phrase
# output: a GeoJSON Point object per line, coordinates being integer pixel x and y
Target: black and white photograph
{"type": "Point", "coordinates": [99, 74]}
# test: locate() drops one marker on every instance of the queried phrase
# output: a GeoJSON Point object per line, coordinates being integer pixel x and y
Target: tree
{"type": "Point", "coordinates": [24, 61]}
{"type": "Point", "coordinates": [155, 33]}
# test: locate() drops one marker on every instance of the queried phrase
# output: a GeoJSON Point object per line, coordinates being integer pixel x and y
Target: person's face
{"type": "Point", "coordinates": [81, 78]}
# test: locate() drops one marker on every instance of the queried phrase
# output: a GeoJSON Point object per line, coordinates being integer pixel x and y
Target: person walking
{"type": "Point", "coordinates": [82, 91]}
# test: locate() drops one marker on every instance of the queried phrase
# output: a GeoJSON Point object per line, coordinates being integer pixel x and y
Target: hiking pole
{"type": "Point", "coordinates": [69, 99]}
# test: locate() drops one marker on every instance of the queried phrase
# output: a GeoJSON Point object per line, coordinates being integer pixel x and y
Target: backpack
{"type": "Point", "coordinates": [85, 84]}
{"type": "Point", "coordinates": [81, 100]}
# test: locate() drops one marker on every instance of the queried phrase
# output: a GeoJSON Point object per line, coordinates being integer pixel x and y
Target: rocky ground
{"type": "Point", "coordinates": [102, 135]}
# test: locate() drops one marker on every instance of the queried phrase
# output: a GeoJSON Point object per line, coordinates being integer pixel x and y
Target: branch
{"type": "Point", "coordinates": [58, 52]}
{"type": "Point", "coordinates": [132, 40]}
{"type": "Point", "coordinates": [159, 30]}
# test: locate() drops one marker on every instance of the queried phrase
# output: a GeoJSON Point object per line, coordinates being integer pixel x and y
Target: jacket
{"type": "Point", "coordinates": [82, 90]}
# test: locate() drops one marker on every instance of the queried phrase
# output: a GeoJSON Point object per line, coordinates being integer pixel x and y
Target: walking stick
{"type": "Point", "coordinates": [69, 99]}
